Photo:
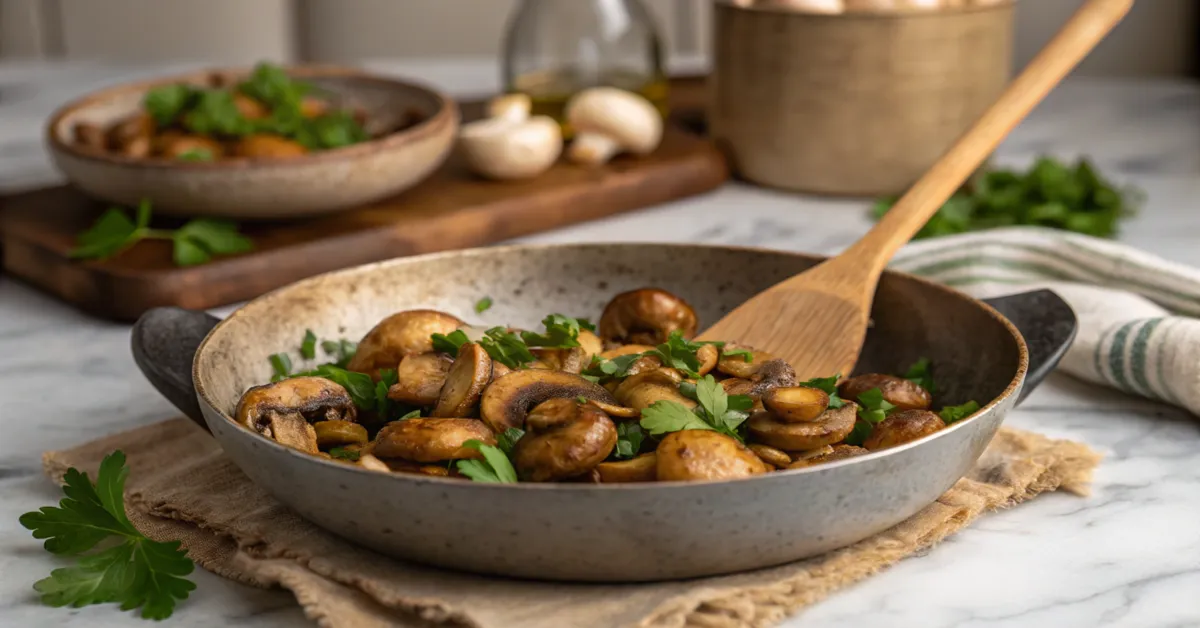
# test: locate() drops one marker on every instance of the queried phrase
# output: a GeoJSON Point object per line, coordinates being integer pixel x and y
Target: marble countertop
{"type": "Point", "coordinates": [1129, 555]}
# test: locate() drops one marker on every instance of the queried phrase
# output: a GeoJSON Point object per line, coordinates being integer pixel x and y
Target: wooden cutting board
{"type": "Point", "coordinates": [451, 210]}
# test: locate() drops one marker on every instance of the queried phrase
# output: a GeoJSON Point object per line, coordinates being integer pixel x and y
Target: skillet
{"type": "Point", "coordinates": [994, 352]}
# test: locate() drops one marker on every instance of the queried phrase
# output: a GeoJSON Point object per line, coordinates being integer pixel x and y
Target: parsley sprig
{"type": "Point", "coordinates": [715, 410]}
{"type": "Point", "coordinates": [135, 573]}
{"type": "Point", "coordinates": [829, 386]}
{"type": "Point", "coordinates": [196, 242]}
{"type": "Point", "coordinates": [921, 374]}
{"type": "Point", "coordinates": [953, 414]}
{"type": "Point", "coordinates": [629, 440]}
{"type": "Point", "coordinates": [677, 353]}
{"type": "Point", "coordinates": [495, 467]}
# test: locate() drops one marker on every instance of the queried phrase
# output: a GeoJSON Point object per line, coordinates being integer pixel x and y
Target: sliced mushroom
{"type": "Point", "coordinates": [431, 440]}
{"type": "Point", "coordinates": [267, 146]}
{"type": "Point", "coordinates": [900, 392]}
{"type": "Point", "coordinates": [591, 344]}
{"type": "Point", "coordinates": [401, 334]}
{"type": "Point", "coordinates": [704, 455]}
{"type": "Point", "coordinates": [648, 387]}
{"type": "Point", "coordinates": [838, 452]}
{"type": "Point", "coordinates": [646, 316]}
{"type": "Point", "coordinates": [563, 439]}
{"type": "Point", "coordinates": [572, 360]}
{"type": "Point", "coordinates": [770, 455]}
{"type": "Point", "coordinates": [708, 355]}
{"type": "Point", "coordinates": [420, 378]}
{"type": "Point", "coordinates": [508, 399]}
{"type": "Point", "coordinates": [903, 427]}
{"type": "Point", "coordinates": [643, 468]}
{"type": "Point", "coordinates": [616, 411]}
{"type": "Point", "coordinates": [772, 374]}
{"type": "Point", "coordinates": [283, 410]}
{"type": "Point", "coordinates": [608, 121]}
{"type": "Point", "coordinates": [465, 382]}
{"type": "Point", "coordinates": [369, 461]}
{"type": "Point", "coordinates": [179, 145]}
{"type": "Point", "coordinates": [132, 137]}
{"type": "Point", "coordinates": [337, 433]}
{"type": "Point", "coordinates": [831, 427]}
{"type": "Point", "coordinates": [796, 404]}
{"type": "Point", "coordinates": [625, 350]}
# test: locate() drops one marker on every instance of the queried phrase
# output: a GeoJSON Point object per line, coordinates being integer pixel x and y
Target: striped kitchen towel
{"type": "Point", "coordinates": [1136, 327]}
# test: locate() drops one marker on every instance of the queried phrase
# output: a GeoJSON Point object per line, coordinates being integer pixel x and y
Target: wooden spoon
{"type": "Point", "coordinates": [817, 320]}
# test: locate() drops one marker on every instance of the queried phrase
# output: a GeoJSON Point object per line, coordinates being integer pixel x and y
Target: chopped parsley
{"type": "Point", "coordinates": [953, 414]}
{"type": "Point", "coordinates": [716, 410]}
{"type": "Point", "coordinates": [483, 305]}
{"type": "Point", "coordinates": [495, 467]}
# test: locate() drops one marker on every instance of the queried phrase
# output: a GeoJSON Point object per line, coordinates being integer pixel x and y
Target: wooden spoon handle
{"type": "Point", "coordinates": [1081, 33]}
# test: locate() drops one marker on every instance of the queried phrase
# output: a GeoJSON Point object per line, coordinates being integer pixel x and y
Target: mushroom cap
{"type": "Point", "coordinates": [622, 115]}
{"type": "Point", "coordinates": [501, 148]}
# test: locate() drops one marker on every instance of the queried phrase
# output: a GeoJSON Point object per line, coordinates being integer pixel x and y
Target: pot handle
{"type": "Point", "coordinates": [164, 342]}
{"type": "Point", "coordinates": [1048, 325]}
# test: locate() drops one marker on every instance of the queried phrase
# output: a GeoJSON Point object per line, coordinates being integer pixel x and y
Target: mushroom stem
{"type": "Point", "coordinates": [592, 149]}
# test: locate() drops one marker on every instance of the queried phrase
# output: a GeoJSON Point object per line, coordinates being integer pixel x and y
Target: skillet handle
{"type": "Point", "coordinates": [164, 342]}
{"type": "Point", "coordinates": [1048, 325]}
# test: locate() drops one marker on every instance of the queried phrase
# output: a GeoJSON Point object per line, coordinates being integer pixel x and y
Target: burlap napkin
{"type": "Point", "coordinates": [182, 487]}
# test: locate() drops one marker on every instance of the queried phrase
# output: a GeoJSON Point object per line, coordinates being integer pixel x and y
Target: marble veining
{"type": "Point", "coordinates": [1127, 556]}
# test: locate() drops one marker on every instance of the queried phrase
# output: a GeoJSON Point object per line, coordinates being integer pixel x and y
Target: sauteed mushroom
{"type": "Point", "coordinates": [431, 440]}
{"type": "Point", "coordinates": [642, 390]}
{"type": "Point", "coordinates": [796, 404]}
{"type": "Point", "coordinates": [704, 455]}
{"type": "Point", "coordinates": [283, 410]}
{"type": "Point", "coordinates": [465, 382]}
{"type": "Point", "coordinates": [507, 400]}
{"type": "Point", "coordinates": [337, 433]}
{"type": "Point", "coordinates": [563, 439]}
{"type": "Point", "coordinates": [643, 468]}
{"type": "Point", "coordinates": [900, 392]}
{"type": "Point", "coordinates": [770, 455]}
{"type": "Point", "coordinates": [268, 146]}
{"type": "Point", "coordinates": [838, 452]}
{"type": "Point", "coordinates": [403, 333]}
{"type": "Point", "coordinates": [646, 316]}
{"type": "Point", "coordinates": [831, 427]}
{"type": "Point", "coordinates": [902, 427]}
{"type": "Point", "coordinates": [420, 378]}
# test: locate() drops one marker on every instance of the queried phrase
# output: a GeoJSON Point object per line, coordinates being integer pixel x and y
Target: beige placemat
{"type": "Point", "coordinates": [182, 487]}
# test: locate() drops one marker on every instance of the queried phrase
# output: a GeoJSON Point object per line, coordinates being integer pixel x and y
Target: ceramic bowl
{"type": "Point", "coordinates": [319, 183]}
{"type": "Point", "coordinates": [616, 533]}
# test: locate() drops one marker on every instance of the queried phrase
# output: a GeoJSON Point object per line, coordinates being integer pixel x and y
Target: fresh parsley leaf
{"type": "Point", "coordinates": [341, 453]}
{"type": "Point", "coordinates": [581, 400]}
{"type": "Point", "coordinates": [329, 130]}
{"type": "Point", "coordinates": [562, 332]}
{"type": "Point", "coordinates": [585, 324]}
{"type": "Point", "coordinates": [166, 103]}
{"type": "Point", "coordinates": [342, 350]}
{"type": "Point", "coordinates": [385, 407]}
{"type": "Point", "coordinates": [506, 347]}
{"type": "Point", "coordinates": [270, 85]}
{"type": "Point", "coordinates": [920, 374]}
{"type": "Point", "coordinates": [136, 573]}
{"type": "Point", "coordinates": [723, 411]}
{"type": "Point", "coordinates": [494, 468]}
{"type": "Point", "coordinates": [829, 385]}
{"type": "Point", "coordinates": [1049, 194]}
{"type": "Point", "coordinates": [308, 346]}
{"type": "Point", "coordinates": [603, 369]}
{"type": "Point", "coordinates": [415, 414]}
{"type": "Point", "coordinates": [361, 387]}
{"type": "Point", "coordinates": [746, 354]}
{"type": "Point", "coordinates": [629, 440]}
{"type": "Point", "coordinates": [665, 416]}
{"type": "Point", "coordinates": [198, 153]}
{"type": "Point", "coordinates": [281, 364]}
{"type": "Point", "coordinates": [483, 305]}
{"type": "Point", "coordinates": [953, 414]}
{"type": "Point", "coordinates": [507, 439]}
{"type": "Point", "coordinates": [872, 409]}
{"type": "Point", "coordinates": [679, 353]}
{"type": "Point", "coordinates": [450, 343]}
{"type": "Point", "coordinates": [688, 389]}
{"type": "Point", "coordinates": [196, 242]}
{"type": "Point", "coordinates": [214, 112]}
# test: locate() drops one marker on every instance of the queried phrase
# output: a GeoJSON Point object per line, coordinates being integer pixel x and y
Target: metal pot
{"type": "Point", "coordinates": [615, 533]}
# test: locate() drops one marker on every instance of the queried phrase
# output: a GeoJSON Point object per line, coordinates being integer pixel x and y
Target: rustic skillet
{"type": "Point", "coordinates": [634, 532]}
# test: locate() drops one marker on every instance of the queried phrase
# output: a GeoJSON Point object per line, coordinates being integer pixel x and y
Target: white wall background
{"type": "Point", "coordinates": [1156, 40]}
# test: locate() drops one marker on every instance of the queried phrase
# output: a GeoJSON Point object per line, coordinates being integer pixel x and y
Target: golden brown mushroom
{"type": "Point", "coordinates": [832, 426]}
{"type": "Point", "coordinates": [174, 145]}
{"type": "Point", "coordinates": [642, 390]}
{"type": "Point", "coordinates": [900, 392]}
{"type": "Point", "coordinates": [902, 427]}
{"type": "Point", "coordinates": [770, 455]}
{"type": "Point", "coordinates": [419, 378]}
{"type": "Point", "coordinates": [795, 404]}
{"type": "Point", "coordinates": [267, 146]}
{"type": "Point", "coordinates": [625, 350]}
{"type": "Point", "coordinates": [572, 360]}
{"type": "Point", "coordinates": [431, 440]}
{"type": "Point", "coordinates": [643, 468]}
{"type": "Point", "coordinates": [284, 410]}
{"type": "Point", "coordinates": [508, 399]}
{"type": "Point", "coordinates": [338, 433]}
{"type": "Point", "coordinates": [403, 333]}
{"type": "Point", "coordinates": [132, 137]}
{"type": "Point", "coordinates": [646, 316]}
{"type": "Point", "coordinates": [250, 108]}
{"type": "Point", "coordinates": [704, 455]}
{"type": "Point", "coordinates": [837, 452]}
{"type": "Point", "coordinates": [563, 439]}
{"type": "Point", "coordinates": [89, 135]}
{"type": "Point", "coordinates": [465, 382]}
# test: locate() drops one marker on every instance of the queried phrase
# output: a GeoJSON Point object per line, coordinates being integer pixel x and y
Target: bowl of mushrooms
{"type": "Point", "coordinates": [557, 393]}
{"type": "Point", "coordinates": [261, 143]}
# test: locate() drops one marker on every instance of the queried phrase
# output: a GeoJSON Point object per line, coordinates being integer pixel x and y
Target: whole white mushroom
{"type": "Point", "coordinates": [608, 121]}
{"type": "Point", "coordinates": [504, 148]}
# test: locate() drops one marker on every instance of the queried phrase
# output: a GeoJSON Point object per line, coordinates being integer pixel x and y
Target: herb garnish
{"type": "Point", "coordinates": [281, 364]}
{"type": "Point", "coordinates": [746, 354]}
{"type": "Point", "coordinates": [450, 343]}
{"type": "Point", "coordinates": [716, 410]}
{"type": "Point", "coordinates": [953, 414]}
{"type": "Point", "coordinates": [507, 439]}
{"type": "Point", "coordinates": [483, 305]}
{"type": "Point", "coordinates": [506, 347]}
{"type": "Point", "coordinates": [494, 468]}
{"type": "Point", "coordinates": [1050, 194]}
{"type": "Point", "coordinates": [829, 386]}
{"type": "Point", "coordinates": [308, 346]}
{"type": "Point", "coordinates": [136, 573]}
{"type": "Point", "coordinates": [342, 350]}
{"type": "Point", "coordinates": [921, 374]}
{"type": "Point", "coordinates": [196, 154]}
{"type": "Point", "coordinates": [341, 453]}
{"type": "Point", "coordinates": [629, 440]}
{"type": "Point", "coordinates": [562, 332]}
{"type": "Point", "coordinates": [872, 410]}
{"type": "Point", "coordinates": [196, 242]}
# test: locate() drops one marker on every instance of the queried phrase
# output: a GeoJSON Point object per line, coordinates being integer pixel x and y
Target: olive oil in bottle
{"type": "Point", "coordinates": [555, 48]}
